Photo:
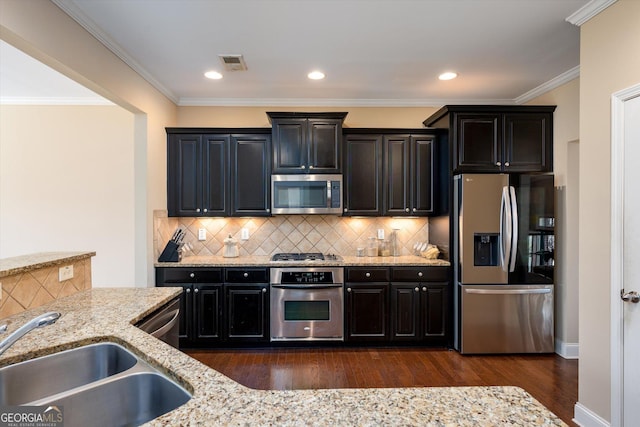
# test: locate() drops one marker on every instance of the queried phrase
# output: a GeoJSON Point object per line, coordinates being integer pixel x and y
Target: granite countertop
{"type": "Point", "coordinates": [265, 261]}
{"type": "Point", "coordinates": [26, 263]}
{"type": "Point", "coordinates": [107, 315]}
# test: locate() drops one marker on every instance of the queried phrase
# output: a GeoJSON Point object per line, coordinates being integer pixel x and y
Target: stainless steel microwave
{"type": "Point", "coordinates": [306, 194]}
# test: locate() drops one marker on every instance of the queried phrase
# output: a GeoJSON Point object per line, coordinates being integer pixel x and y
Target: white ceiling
{"type": "Point", "coordinates": [374, 52]}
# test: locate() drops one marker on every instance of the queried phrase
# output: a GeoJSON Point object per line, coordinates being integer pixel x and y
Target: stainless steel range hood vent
{"type": "Point", "coordinates": [233, 62]}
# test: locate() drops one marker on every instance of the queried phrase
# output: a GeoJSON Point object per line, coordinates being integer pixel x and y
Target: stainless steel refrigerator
{"type": "Point", "coordinates": [502, 253]}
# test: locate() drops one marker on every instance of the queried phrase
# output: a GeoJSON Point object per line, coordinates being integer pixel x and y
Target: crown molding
{"type": "Point", "coordinates": [555, 82]}
{"type": "Point", "coordinates": [25, 100]}
{"type": "Point", "coordinates": [88, 24]}
{"type": "Point", "coordinates": [322, 102]}
{"type": "Point", "coordinates": [588, 11]}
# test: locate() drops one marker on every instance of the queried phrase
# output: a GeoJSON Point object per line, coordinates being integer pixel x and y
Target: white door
{"type": "Point", "coordinates": [625, 255]}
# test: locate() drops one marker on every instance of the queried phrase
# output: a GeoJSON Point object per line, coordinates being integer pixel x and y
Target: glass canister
{"type": "Point", "coordinates": [385, 248]}
{"type": "Point", "coordinates": [372, 246]}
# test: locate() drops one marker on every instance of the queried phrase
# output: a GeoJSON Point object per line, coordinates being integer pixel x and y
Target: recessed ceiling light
{"type": "Point", "coordinates": [449, 75]}
{"type": "Point", "coordinates": [316, 75]}
{"type": "Point", "coordinates": [214, 75]}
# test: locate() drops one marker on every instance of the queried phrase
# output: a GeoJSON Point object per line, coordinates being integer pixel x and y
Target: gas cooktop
{"type": "Point", "coordinates": [305, 256]}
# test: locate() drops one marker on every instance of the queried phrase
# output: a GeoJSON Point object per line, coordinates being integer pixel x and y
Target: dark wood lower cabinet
{"type": "Point", "coordinates": [367, 311]}
{"type": "Point", "coordinates": [247, 312]}
{"type": "Point", "coordinates": [207, 313]}
{"type": "Point", "coordinates": [418, 311]}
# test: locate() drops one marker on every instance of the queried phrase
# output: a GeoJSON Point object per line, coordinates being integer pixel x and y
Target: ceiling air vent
{"type": "Point", "coordinates": [233, 62]}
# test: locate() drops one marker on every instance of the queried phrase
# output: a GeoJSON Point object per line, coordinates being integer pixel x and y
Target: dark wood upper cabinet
{"type": "Point", "coordinates": [363, 175]}
{"type": "Point", "coordinates": [410, 174]}
{"type": "Point", "coordinates": [498, 138]}
{"type": "Point", "coordinates": [306, 142]}
{"type": "Point", "coordinates": [251, 178]}
{"type": "Point", "coordinates": [218, 172]}
{"type": "Point", "coordinates": [198, 169]}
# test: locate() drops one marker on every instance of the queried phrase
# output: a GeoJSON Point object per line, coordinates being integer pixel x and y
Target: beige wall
{"type": "Point", "coordinates": [67, 184]}
{"type": "Point", "coordinates": [43, 31]}
{"type": "Point", "coordinates": [609, 48]}
{"type": "Point", "coordinates": [256, 116]}
{"type": "Point", "coordinates": [565, 137]}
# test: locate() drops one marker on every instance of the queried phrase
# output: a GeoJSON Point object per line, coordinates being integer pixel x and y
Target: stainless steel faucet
{"type": "Point", "coordinates": [37, 322]}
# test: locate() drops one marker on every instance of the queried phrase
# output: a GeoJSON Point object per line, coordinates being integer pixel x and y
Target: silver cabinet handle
{"type": "Point", "coordinates": [303, 167]}
{"type": "Point", "coordinates": [192, 275]}
{"type": "Point", "coordinates": [506, 164]}
{"type": "Point", "coordinates": [188, 290]}
{"type": "Point", "coordinates": [348, 289]}
{"type": "Point", "coordinates": [406, 209]}
{"type": "Point", "coordinates": [632, 296]}
{"type": "Point", "coordinates": [414, 209]}
{"type": "Point", "coordinates": [264, 290]}
{"type": "Point", "coordinates": [346, 210]}
{"type": "Point", "coordinates": [245, 275]}
{"type": "Point", "coordinates": [205, 210]}
{"type": "Point", "coordinates": [424, 289]}
{"type": "Point", "coordinates": [498, 164]}
{"type": "Point", "coordinates": [196, 290]}
{"type": "Point", "coordinates": [198, 210]}
{"type": "Point", "coordinates": [311, 167]}
{"type": "Point", "coordinates": [268, 210]}
{"type": "Point", "coordinates": [419, 273]}
{"type": "Point", "coordinates": [367, 274]}
{"type": "Point", "coordinates": [417, 289]}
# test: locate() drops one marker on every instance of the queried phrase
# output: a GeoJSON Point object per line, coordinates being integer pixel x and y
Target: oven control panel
{"type": "Point", "coordinates": [301, 277]}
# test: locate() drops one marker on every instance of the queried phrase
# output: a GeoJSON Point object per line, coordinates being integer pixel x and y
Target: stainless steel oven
{"type": "Point", "coordinates": [307, 303]}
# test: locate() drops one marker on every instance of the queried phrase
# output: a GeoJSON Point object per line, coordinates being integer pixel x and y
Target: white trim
{"type": "Point", "coordinates": [617, 232]}
{"type": "Point", "coordinates": [24, 100]}
{"type": "Point", "coordinates": [588, 11]}
{"type": "Point", "coordinates": [567, 350]}
{"type": "Point", "coordinates": [555, 82]}
{"type": "Point", "coordinates": [322, 102]}
{"type": "Point", "coordinates": [88, 24]}
{"type": "Point", "coordinates": [586, 418]}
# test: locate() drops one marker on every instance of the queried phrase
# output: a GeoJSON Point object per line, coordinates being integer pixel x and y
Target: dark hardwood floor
{"type": "Point", "coordinates": [552, 380]}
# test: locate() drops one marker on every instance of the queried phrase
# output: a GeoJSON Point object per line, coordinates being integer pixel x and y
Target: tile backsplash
{"type": "Point", "coordinates": [289, 233]}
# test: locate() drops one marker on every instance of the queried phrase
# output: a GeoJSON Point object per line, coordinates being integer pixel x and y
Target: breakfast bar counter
{"type": "Point", "coordinates": [108, 314]}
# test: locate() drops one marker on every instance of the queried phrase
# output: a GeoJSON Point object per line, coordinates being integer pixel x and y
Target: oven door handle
{"type": "Point", "coordinates": [309, 286]}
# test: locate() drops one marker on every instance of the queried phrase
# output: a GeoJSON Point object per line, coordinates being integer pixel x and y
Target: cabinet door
{"type": "Point", "coordinates": [433, 305]}
{"type": "Point", "coordinates": [405, 311]}
{"type": "Point", "coordinates": [185, 330]}
{"type": "Point", "coordinates": [477, 143]}
{"type": "Point", "coordinates": [422, 175]}
{"type": "Point", "coordinates": [207, 311]}
{"type": "Point", "coordinates": [324, 138]}
{"type": "Point", "coordinates": [527, 143]}
{"type": "Point", "coordinates": [247, 312]}
{"type": "Point", "coordinates": [397, 173]}
{"type": "Point", "coordinates": [289, 145]}
{"type": "Point", "coordinates": [184, 175]}
{"type": "Point", "coordinates": [215, 171]}
{"type": "Point", "coordinates": [363, 175]}
{"type": "Point", "coordinates": [250, 183]}
{"type": "Point", "coordinates": [367, 312]}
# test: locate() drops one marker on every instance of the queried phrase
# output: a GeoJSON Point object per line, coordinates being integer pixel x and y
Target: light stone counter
{"type": "Point", "coordinates": [265, 261]}
{"type": "Point", "coordinates": [108, 314]}
{"type": "Point", "coordinates": [26, 263]}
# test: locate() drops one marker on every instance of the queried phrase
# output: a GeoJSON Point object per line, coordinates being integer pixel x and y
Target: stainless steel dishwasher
{"type": "Point", "coordinates": [163, 323]}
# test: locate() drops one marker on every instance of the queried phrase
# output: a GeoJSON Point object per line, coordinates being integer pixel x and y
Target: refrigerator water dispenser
{"type": "Point", "coordinates": [485, 249]}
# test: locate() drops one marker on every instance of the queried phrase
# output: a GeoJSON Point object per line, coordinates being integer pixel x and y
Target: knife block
{"type": "Point", "coordinates": [171, 253]}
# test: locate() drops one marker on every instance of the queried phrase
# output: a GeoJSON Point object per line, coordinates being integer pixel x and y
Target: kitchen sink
{"type": "Point", "coordinates": [130, 400]}
{"type": "Point", "coordinates": [47, 375]}
{"type": "Point", "coordinates": [97, 384]}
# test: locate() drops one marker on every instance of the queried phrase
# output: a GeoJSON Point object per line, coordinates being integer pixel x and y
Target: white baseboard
{"type": "Point", "coordinates": [586, 418]}
{"type": "Point", "coordinates": [567, 350]}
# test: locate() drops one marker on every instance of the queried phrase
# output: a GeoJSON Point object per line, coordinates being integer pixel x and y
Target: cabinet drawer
{"type": "Point", "coordinates": [247, 275]}
{"type": "Point", "coordinates": [375, 274]}
{"type": "Point", "coordinates": [420, 274]}
{"type": "Point", "coordinates": [188, 275]}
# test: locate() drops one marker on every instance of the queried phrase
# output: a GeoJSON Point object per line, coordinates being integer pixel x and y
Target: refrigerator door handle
{"type": "Point", "coordinates": [508, 291]}
{"type": "Point", "coordinates": [514, 233]}
{"type": "Point", "coordinates": [505, 229]}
